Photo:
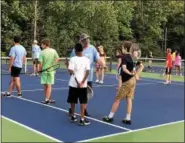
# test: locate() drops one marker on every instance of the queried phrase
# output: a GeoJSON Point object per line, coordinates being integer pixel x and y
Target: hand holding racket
{"type": "Point", "coordinates": [90, 93]}
{"type": "Point", "coordinates": [51, 68]}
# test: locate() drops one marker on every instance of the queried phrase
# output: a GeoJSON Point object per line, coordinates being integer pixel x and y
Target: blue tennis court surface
{"type": "Point", "coordinates": [154, 104]}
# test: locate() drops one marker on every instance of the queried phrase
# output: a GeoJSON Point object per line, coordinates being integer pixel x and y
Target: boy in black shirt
{"type": "Point", "coordinates": [129, 77]}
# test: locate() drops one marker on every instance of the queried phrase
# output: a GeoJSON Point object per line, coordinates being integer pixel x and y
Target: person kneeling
{"type": "Point", "coordinates": [79, 67]}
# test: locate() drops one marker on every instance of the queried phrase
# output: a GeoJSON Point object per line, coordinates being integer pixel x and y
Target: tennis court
{"type": "Point", "coordinates": [158, 113]}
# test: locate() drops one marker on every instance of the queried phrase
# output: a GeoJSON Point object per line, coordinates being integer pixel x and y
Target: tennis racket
{"type": "Point", "coordinates": [90, 92]}
{"type": "Point", "coordinates": [51, 68]}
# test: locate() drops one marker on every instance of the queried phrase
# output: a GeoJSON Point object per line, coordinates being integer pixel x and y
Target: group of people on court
{"type": "Point", "coordinates": [81, 68]}
{"type": "Point", "coordinates": [173, 61]}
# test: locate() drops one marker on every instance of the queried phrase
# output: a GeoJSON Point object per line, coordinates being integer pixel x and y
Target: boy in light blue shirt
{"type": "Point", "coordinates": [17, 58]}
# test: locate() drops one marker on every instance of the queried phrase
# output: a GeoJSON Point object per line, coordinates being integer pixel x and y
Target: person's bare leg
{"type": "Point", "coordinates": [82, 111]}
{"type": "Point", "coordinates": [129, 108]}
{"type": "Point", "coordinates": [48, 92]}
{"type": "Point", "coordinates": [11, 86]}
{"type": "Point", "coordinates": [102, 74]}
{"type": "Point", "coordinates": [97, 74]}
{"type": "Point", "coordinates": [18, 84]}
{"type": "Point", "coordinates": [72, 109]}
{"type": "Point", "coordinates": [114, 108]}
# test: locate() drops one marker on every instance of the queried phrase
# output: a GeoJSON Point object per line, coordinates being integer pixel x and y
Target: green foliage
{"type": "Point", "coordinates": [105, 21]}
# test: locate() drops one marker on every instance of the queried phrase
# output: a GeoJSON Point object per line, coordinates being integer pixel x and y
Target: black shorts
{"type": "Point", "coordinates": [15, 71]}
{"type": "Point", "coordinates": [35, 61]}
{"type": "Point", "coordinates": [89, 83]}
{"type": "Point", "coordinates": [77, 93]}
{"type": "Point", "coordinates": [168, 70]}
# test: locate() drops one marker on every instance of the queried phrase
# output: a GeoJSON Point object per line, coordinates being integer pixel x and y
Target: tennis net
{"type": "Point", "coordinates": [28, 65]}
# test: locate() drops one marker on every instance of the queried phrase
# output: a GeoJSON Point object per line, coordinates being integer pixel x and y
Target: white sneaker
{"type": "Point", "coordinates": [33, 74]}
{"type": "Point", "coordinates": [97, 81]}
{"type": "Point", "coordinates": [101, 81]}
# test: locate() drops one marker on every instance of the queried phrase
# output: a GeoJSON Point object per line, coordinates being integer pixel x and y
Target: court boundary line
{"type": "Point", "coordinates": [64, 110]}
{"type": "Point", "coordinates": [132, 131]}
{"type": "Point", "coordinates": [31, 129]}
{"type": "Point", "coordinates": [65, 88]}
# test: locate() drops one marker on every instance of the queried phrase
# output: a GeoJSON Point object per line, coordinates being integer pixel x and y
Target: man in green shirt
{"type": "Point", "coordinates": [47, 58]}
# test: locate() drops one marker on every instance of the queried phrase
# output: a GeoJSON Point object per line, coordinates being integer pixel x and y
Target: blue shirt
{"type": "Point", "coordinates": [35, 51]}
{"type": "Point", "coordinates": [17, 52]}
{"type": "Point", "coordinates": [91, 53]}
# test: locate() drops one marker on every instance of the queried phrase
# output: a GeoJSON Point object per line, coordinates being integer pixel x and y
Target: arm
{"type": "Point", "coordinates": [119, 63]}
{"type": "Point", "coordinates": [12, 58]}
{"type": "Point", "coordinates": [126, 71]}
{"type": "Point", "coordinates": [85, 77]}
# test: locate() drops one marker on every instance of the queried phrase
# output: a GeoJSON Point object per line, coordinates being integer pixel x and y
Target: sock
{"type": "Point", "coordinates": [82, 119]}
{"type": "Point", "coordinates": [8, 93]}
{"type": "Point", "coordinates": [46, 99]}
{"type": "Point", "coordinates": [111, 115]}
{"type": "Point", "coordinates": [128, 117]}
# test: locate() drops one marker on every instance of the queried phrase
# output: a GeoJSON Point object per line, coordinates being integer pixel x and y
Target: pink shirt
{"type": "Point", "coordinates": [178, 60]}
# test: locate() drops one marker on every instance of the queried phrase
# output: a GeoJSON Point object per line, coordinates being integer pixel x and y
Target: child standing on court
{"type": "Point", "coordinates": [101, 68]}
{"type": "Point", "coordinates": [79, 67]}
{"type": "Point", "coordinates": [168, 66]}
{"type": "Point", "coordinates": [48, 57]}
{"type": "Point", "coordinates": [178, 64]}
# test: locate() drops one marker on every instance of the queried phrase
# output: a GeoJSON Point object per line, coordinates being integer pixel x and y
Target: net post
{"type": "Point", "coordinates": [110, 64]}
{"type": "Point", "coordinates": [25, 66]}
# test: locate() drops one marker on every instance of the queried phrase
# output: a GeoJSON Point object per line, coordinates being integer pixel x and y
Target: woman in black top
{"type": "Point", "coordinates": [129, 77]}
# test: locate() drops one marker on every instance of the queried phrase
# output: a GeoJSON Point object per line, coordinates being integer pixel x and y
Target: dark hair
{"type": "Point", "coordinates": [17, 39]}
{"type": "Point", "coordinates": [78, 47]}
{"type": "Point", "coordinates": [177, 53]}
{"type": "Point", "coordinates": [127, 45]}
{"type": "Point", "coordinates": [46, 42]}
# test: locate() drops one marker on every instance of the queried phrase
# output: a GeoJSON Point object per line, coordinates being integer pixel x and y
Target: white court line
{"type": "Point", "coordinates": [155, 81]}
{"type": "Point", "coordinates": [66, 88]}
{"type": "Point", "coordinates": [62, 79]}
{"type": "Point", "coordinates": [31, 129]}
{"type": "Point", "coordinates": [132, 131]}
{"type": "Point", "coordinates": [60, 109]}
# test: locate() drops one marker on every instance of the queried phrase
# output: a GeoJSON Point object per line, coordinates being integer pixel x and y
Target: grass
{"type": "Point", "coordinates": [154, 76]}
{"type": "Point", "coordinates": [167, 133]}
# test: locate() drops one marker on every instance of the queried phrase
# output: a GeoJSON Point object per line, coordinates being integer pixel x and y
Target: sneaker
{"type": "Point", "coordinates": [125, 121]}
{"type": "Point", "coordinates": [101, 81]}
{"type": "Point", "coordinates": [8, 95]}
{"type": "Point", "coordinates": [86, 113]}
{"type": "Point", "coordinates": [70, 112]}
{"type": "Point", "coordinates": [84, 122]}
{"type": "Point", "coordinates": [107, 119]}
{"type": "Point", "coordinates": [97, 81]}
{"type": "Point", "coordinates": [51, 101]}
{"type": "Point", "coordinates": [73, 119]}
{"type": "Point", "coordinates": [45, 102]}
{"type": "Point", "coordinates": [33, 74]}
{"type": "Point", "coordinates": [19, 95]}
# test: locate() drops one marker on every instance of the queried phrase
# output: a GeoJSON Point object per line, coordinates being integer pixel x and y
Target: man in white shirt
{"type": "Point", "coordinates": [79, 67]}
{"type": "Point", "coordinates": [35, 56]}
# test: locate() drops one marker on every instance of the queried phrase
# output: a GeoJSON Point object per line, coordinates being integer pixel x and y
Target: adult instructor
{"type": "Point", "coordinates": [90, 52]}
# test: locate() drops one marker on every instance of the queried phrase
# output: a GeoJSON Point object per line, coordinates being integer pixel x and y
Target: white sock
{"type": "Point", "coordinates": [128, 117]}
{"type": "Point", "coordinates": [8, 93]}
{"type": "Point", "coordinates": [46, 99]}
{"type": "Point", "coordinates": [82, 119]}
{"type": "Point", "coordinates": [111, 115]}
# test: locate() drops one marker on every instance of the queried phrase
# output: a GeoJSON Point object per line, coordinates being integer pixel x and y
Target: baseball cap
{"type": "Point", "coordinates": [84, 36]}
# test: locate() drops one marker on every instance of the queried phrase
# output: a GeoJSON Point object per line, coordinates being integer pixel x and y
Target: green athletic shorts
{"type": "Point", "coordinates": [47, 78]}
